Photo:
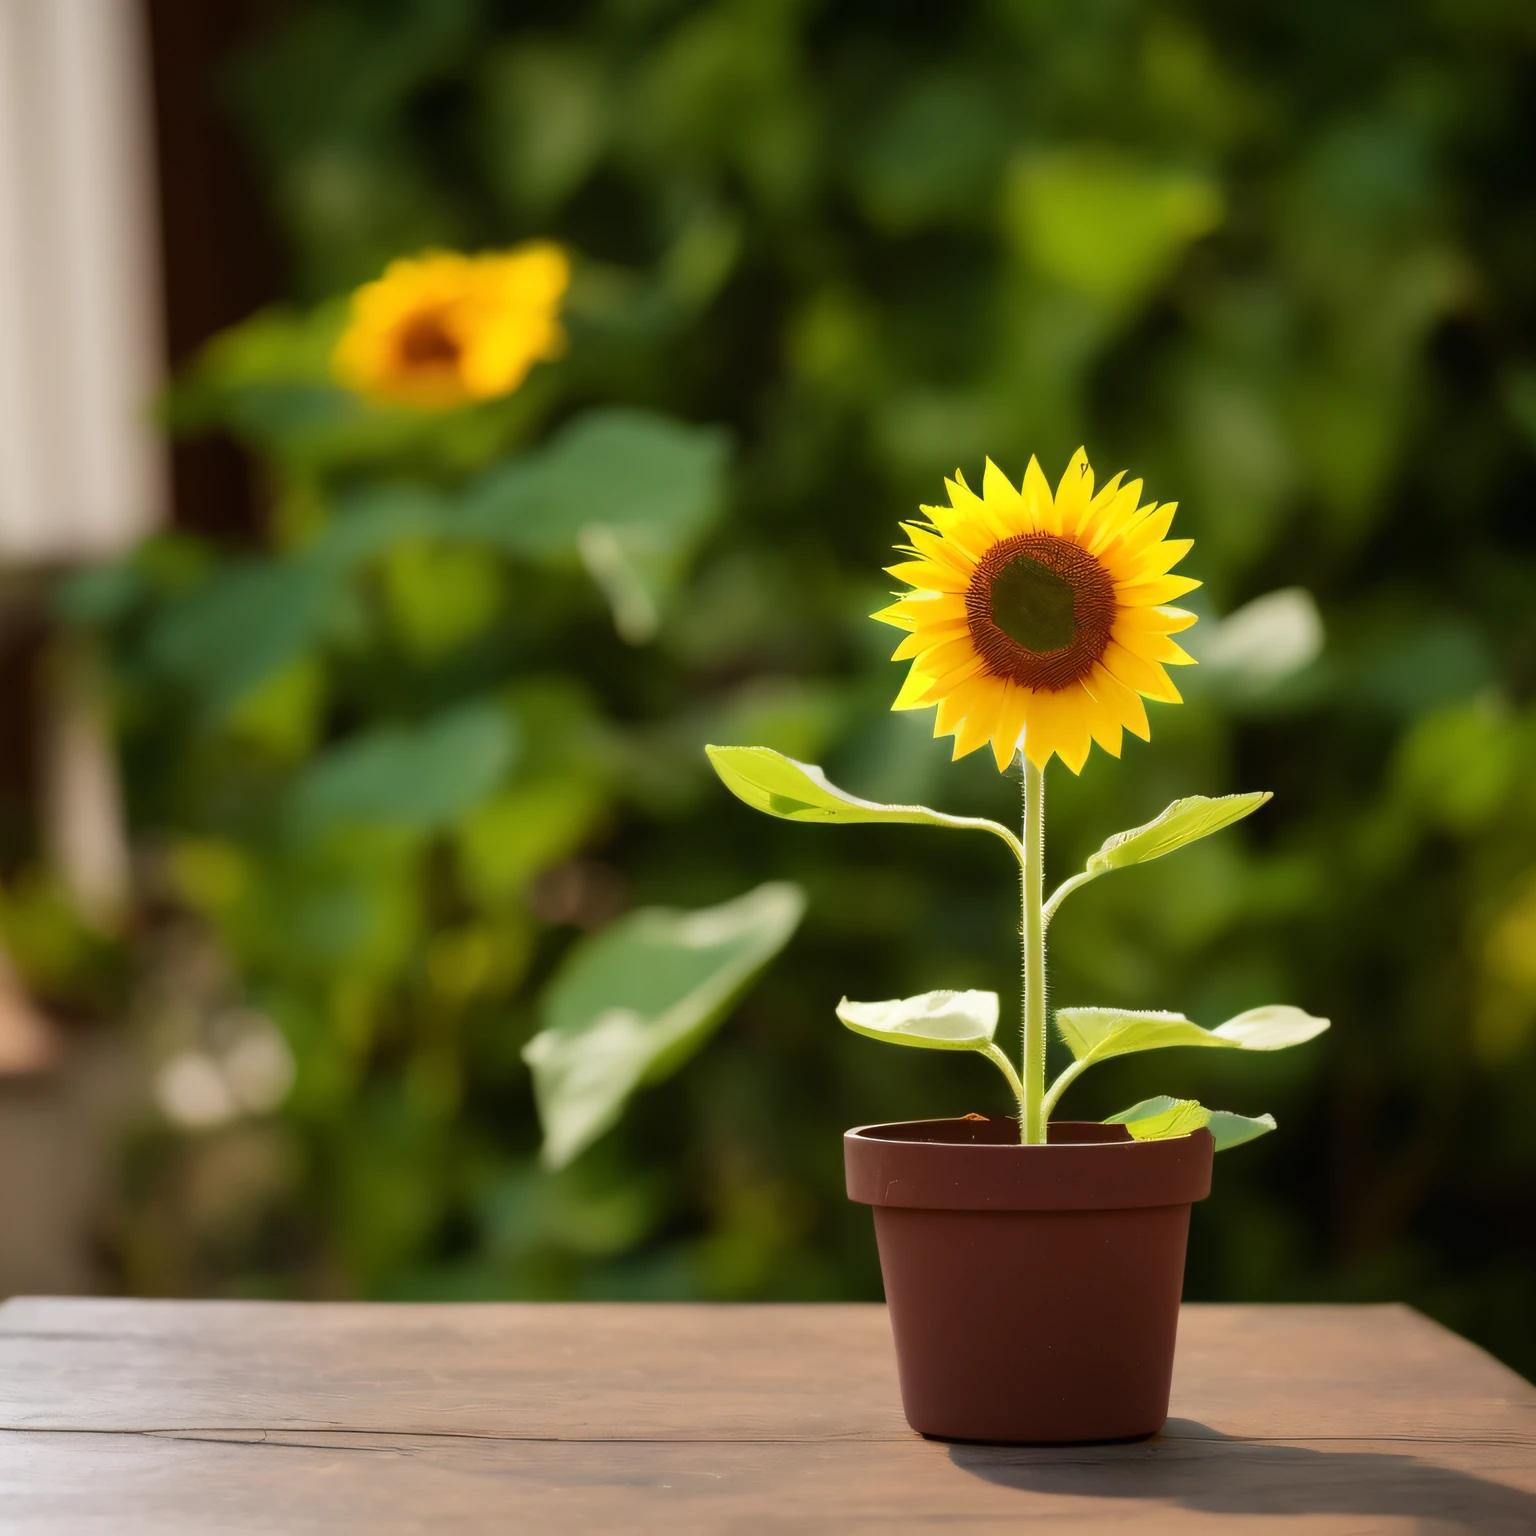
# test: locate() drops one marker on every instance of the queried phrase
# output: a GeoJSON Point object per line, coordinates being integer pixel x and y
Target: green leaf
{"type": "Point", "coordinates": [372, 519]}
{"type": "Point", "coordinates": [1231, 1130]}
{"type": "Point", "coordinates": [631, 597]}
{"type": "Point", "coordinates": [1185, 821]}
{"type": "Point", "coordinates": [1104, 224]}
{"type": "Point", "coordinates": [623, 469]}
{"type": "Point", "coordinates": [1092, 1034]}
{"type": "Point", "coordinates": [230, 635]}
{"type": "Point", "coordinates": [1161, 1117]}
{"type": "Point", "coordinates": [940, 1021]}
{"type": "Point", "coordinates": [627, 492]}
{"type": "Point", "coordinates": [631, 1004]}
{"type": "Point", "coordinates": [506, 840]}
{"type": "Point", "coordinates": [1272, 1027]}
{"type": "Point", "coordinates": [779, 786]}
{"type": "Point", "coordinates": [421, 778]}
{"type": "Point", "coordinates": [1095, 1034]}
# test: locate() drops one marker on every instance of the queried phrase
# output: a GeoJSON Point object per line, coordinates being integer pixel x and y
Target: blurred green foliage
{"type": "Point", "coordinates": [1279, 259]}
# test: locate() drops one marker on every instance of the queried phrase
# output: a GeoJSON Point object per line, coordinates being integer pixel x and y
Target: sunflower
{"type": "Point", "coordinates": [1038, 622]}
{"type": "Point", "coordinates": [441, 329]}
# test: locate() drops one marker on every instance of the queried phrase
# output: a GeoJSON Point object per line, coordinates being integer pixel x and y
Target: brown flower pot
{"type": "Point", "coordinates": [1033, 1291]}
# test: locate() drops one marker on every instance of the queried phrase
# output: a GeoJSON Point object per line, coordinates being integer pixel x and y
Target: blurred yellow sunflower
{"type": "Point", "coordinates": [1038, 622]}
{"type": "Point", "coordinates": [442, 329]}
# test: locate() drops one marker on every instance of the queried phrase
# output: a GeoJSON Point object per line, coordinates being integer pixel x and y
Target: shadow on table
{"type": "Point", "coordinates": [1201, 1469]}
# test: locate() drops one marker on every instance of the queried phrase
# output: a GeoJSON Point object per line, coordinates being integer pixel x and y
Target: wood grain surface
{"type": "Point", "coordinates": [169, 1417]}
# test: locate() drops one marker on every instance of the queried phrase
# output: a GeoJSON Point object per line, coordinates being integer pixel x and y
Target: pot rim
{"type": "Point", "coordinates": [1100, 1134]}
{"type": "Point", "coordinates": [1107, 1170]}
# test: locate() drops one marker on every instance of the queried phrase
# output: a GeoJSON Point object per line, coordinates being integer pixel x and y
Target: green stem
{"type": "Point", "coordinates": [1068, 1076]}
{"type": "Point", "coordinates": [1013, 843]}
{"type": "Point", "coordinates": [1032, 1121]}
{"type": "Point", "coordinates": [1001, 1062]}
{"type": "Point", "coordinates": [1064, 890]}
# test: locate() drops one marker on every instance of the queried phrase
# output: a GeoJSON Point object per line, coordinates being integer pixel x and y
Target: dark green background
{"type": "Point", "coordinates": [1277, 258]}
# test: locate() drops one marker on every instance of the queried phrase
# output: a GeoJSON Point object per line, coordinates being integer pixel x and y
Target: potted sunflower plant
{"type": "Point", "coordinates": [1033, 1266]}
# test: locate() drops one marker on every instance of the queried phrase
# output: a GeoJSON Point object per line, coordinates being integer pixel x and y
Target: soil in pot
{"type": "Point", "coordinates": [1033, 1291]}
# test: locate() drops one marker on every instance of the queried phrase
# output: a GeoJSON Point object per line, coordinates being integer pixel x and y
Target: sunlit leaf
{"type": "Point", "coordinates": [941, 1021]}
{"type": "Point", "coordinates": [778, 785]}
{"type": "Point", "coordinates": [632, 1003]}
{"type": "Point", "coordinates": [1092, 1034]}
{"type": "Point", "coordinates": [1185, 821]}
{"type": "Point", "coordinates": [1162, 1117]}
{"type": "Point", "coordinates": [1095, 1034]}
{"type": "Point", "coordinates": [1272, 1027]}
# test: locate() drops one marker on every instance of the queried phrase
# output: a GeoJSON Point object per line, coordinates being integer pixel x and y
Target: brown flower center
{"type": "Point", "coordinates": [425, 342]}
{"type": "Point", "coordinates": [1040, 610]}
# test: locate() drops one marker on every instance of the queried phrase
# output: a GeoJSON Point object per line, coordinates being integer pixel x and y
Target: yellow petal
{"type": "Point", "coordinates": [1154, 621]}
{"type": "Point", "coordinates": [1152, 528]}
{"type": "Point", "coordinates": [1074, 494]}
{"type": "Point", "coordinates": [1128, 567]}
{"type": "Point", "coordinates": [927, 576]}
{"type": "Point", "coordinates": [1123, 702]}
{"type": "Point", "coordinates": [1115, 519]}
{"type": "Point", "coordinates": [1144, 530]}
{"type": "Point", "coordinates": [1146, 677]}
{"type": "Point", "coordinates": [967, 496]}
{"type": "Point", "coordinates": [996, 487]}
{"type": "Point", "coordinates": [1058, 722]}
{"type": "Point", "coordinates": [931, 688]}
{"type": "Point", "coordinates": [1103, 723]}
{"type": "Point", "coordinates": [1001, 512]}
{"type": "Point", "coordinates": [895, 616]}
{"type": "Point", "coordinates": [931, 638]}
{"type": "Point", "coordinates": [1159, 648]}
{"type": "Point", "coordinates": [961, 701]}
{"type": "Point", "coordinates": [1010, 725]}
{"type": "Point", "coordinates": [909, 696]}
{"type": "Point", "coordinates": [969, 538]}
{"type": "Point", "coordinates": [1162, 558]}
{"type": "Point", "coordinates": [973, 732]}
{"type": "Point", "coordinates": [1039, 509]}
{"type": "Point", "coordinates": [1153, 592]}
{"type": "Point", "coordinates": [949, 654]}
{"type": "Point", "coordinates": [941, 551]}
{"type": "Point", "coordinates": [1104, 497]}
{"type": "Point", "coordinates": [915, 609]}
{"type": "Point", "coordinates": [968, 709]}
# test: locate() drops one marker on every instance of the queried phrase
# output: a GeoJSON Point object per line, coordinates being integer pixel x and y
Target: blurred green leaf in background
{"type": "Point", "coordinates": [633, 1003]}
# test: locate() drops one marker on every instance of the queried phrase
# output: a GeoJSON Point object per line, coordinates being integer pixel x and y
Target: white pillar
{"type": "Point", "coordinates": [81, 473]}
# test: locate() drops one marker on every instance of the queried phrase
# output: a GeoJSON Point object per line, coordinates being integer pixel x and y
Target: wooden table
{"type": "Point", "coordinates": [167, 1417]}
